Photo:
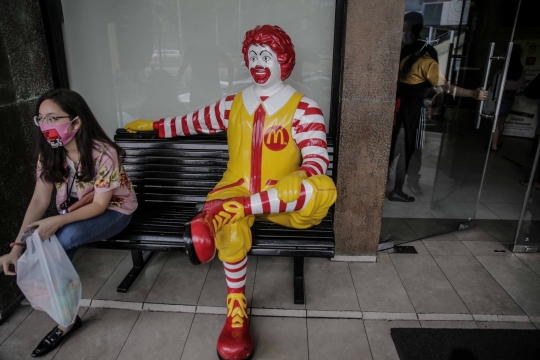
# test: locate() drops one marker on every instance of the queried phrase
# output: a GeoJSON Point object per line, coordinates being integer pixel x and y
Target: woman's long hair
{"type": "Point", "coordinates": [515, 69]}
{"type": "Point", "coordinates": [415, 50]}
{"type": "Point", "coordinates": [90, 132]}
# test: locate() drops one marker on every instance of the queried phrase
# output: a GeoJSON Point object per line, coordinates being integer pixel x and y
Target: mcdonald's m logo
{"type": "Point", "coordinates": [276, 138]}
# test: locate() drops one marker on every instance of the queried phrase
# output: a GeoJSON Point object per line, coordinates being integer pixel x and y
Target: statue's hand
{"type": "Point", "coordinates": [139, 125]}
{"type": "Point", "coordinates": [289, 187]}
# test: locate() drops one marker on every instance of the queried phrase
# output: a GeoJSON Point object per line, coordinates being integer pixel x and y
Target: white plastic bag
{"type": "Point", "coordinates": [49, 281]}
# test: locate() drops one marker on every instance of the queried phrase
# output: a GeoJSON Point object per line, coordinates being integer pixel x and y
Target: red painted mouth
{"type": "Point", "coordinates": [260, 74]}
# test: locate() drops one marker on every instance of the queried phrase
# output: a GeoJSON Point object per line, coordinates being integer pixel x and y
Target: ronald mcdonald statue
{"type": "Point", "coordinates": [276, 170]}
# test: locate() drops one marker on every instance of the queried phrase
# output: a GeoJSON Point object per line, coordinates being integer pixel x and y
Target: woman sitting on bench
{"type": "Point", "coordinates": [93, 191]}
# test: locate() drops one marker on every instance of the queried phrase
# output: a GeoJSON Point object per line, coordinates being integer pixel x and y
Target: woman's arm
{"type": "Point", "coordinates": [454, 90]}
{"type": "Point", "coordinates": [47, 227]}
{"type": "Point", "coordinates": [35, 211]}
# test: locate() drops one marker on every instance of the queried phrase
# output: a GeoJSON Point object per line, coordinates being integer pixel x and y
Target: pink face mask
{"type": "Point", "coordinates": [57, 135]}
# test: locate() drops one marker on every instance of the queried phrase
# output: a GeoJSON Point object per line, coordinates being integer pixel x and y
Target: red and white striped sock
{"type": "Point", "coordinates": [235, 273]}
{"type": "Point", "coordinates": [267, 202]}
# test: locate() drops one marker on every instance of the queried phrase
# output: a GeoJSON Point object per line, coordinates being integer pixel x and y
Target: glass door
{"type": "Point", "coordinates": [453, 175]}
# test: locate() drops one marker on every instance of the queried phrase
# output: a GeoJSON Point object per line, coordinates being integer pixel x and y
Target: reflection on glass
{"type": "Point", "coordinates": [435, 161]}
{"type": "Point", "coordinates": [149, 59]}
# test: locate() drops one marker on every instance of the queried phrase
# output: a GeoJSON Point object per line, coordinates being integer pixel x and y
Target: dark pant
{"type": "Point", "coordinates": [408, 117]}
{"type": "Point", "coordinates": [101, 227]}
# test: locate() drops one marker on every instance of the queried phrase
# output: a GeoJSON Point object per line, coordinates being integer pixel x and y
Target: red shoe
{"type": "Point", "coordinates": [200, 232]}
{"type": "Point", "coordinates": [235, 341]}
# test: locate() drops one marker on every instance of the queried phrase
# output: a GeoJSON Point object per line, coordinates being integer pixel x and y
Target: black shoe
{"type": "Point", "coordinates": [54, 338]}
{"type": "Point", "coordinates": [403, 197]}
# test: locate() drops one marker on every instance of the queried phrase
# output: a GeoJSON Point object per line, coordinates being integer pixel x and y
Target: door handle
{"type": "Point", "coordinates": [503, 81]}
{"type": "Point", "coordinates": [490, 58]}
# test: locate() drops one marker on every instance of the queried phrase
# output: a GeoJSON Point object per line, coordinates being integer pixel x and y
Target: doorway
{"type": "Point", "coordinates": [456, 179]}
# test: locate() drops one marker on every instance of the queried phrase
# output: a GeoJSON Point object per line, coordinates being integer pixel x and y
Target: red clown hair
{"type": "Point", "coordinates": [278, 40]}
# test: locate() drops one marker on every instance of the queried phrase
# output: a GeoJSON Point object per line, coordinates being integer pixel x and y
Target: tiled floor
{"type": "Point", "coordinates": [451, 175]}
{"type": "Point", "coordinates": [176, 310]}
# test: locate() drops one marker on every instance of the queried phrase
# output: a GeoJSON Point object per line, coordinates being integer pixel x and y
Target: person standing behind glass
{"type": "Point", "coordinates": [418, 71]}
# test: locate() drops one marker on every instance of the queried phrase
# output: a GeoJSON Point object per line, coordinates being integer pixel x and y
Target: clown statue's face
{"type": "Point", "coordinates": [264, 67]}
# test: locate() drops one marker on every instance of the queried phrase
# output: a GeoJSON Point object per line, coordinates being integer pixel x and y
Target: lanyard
{"type": "Point", "coordinates": [68, 191]}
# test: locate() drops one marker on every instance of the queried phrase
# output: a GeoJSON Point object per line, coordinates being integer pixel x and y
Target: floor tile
{"type": "Point", "coordinates": [426, 227]}
{"type": "Point", "coordinates": [474, 234]}
{"type": "Point", "coordinates": [80, 252]}
{"type": "Point", "coordinates": [488, 248]}
{"type": "Point", "coordinates": [337, 339]}
{"type": "Point", "coordinates": [202, 338]}
{"type": "Point", "coordinates": [499, 229]}
{"type": "Point", "coordinates": [379, 287]}
{"type": "Point", "coordinates": [476, 287]}
{"type": "Point", "coordinates": [274, 284]}
{"type": "Point", "coordinates": [94, 268]}
{"type": "Point", "coordinates": [516, 279]}
{"type": "Point", "coordinates": [449, 324]}
{"type": "Point", "coordinates": [14, 320]}
{"type": "Point", "coordinates": [445, 191]}
{"type": "Point", "coordinates": [531, 260]}
{"type": "Point", "coordinates": [102, 335]}
{"type": "Point", "coordinates": [462, 210]}
{"type": "Point", "coordinates": [397, 209]}
{"type": "Point", "coordinates": [157, 335]}
{"type": "Point", "coordinates": [505, 325]}
{"type": "Point", "coordinates": [513, 211]}
{"type": "Point", "coordinates": [442, 237]}
{"type": "Point", "coordinates": [446, 248]}
{"type": "Point", "coordinates": [214, 292]}
{"type": "Point", "coordinates": [179, 282]}
{"type": "Point", "coordinates": [279, 338]}
{"type": "Point", "coordinates": [397, 229]}
{"type": "Point", "coordinates": [142, 285]}
{"type": "Point", "coordinates": [426, 285]}
{"type": "Point", "coordinates": [26, 337]}
{"type": "Point", "coordinates": [503, 192]}
{"type": "Point", "coordinates": [329, 285]}
{"type": "Point", "coordinates": [380, 342]}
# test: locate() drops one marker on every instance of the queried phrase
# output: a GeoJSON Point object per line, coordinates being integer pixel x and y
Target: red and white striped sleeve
{"type": "Point", "coordinates": [208, 120]}
{"type": "Point", "coordinates": [309, 134]}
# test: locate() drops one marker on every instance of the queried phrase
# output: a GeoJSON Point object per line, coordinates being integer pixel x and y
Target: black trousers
{"type": "Point", "coordinates": [408, 116]}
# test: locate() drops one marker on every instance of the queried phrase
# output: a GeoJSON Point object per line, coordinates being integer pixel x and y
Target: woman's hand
{"type": "Point", "coordinates": [48, 227]}
{"type": "Point", "coordinates": [480, 94]}
{"type": "Point", "coordinates": [8, 263]}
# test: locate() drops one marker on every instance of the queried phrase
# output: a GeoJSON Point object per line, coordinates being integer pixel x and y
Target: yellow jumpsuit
{"type": "Point", "coordinates": [260, 154]}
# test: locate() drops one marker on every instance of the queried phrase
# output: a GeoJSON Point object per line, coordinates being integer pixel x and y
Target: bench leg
{"type": "Point", "coordinates": [140, 259]}
{"type": "Point", "coordinates": [299, 297]}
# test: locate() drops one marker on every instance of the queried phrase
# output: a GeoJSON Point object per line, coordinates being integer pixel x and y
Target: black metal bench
{"type": "Point", "coordinates": [172, 178]}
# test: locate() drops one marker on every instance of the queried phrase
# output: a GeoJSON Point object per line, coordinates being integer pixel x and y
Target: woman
{"type": "Point", "coordinates": [418, 71]}
{"type": "Point", "coordinates": [77, 158]}
{"type": "Point", "coordinates": [515, 80]}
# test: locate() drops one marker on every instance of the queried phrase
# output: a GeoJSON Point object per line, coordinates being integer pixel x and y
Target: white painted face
{"type": "Point", "coordinates": [264, 65]}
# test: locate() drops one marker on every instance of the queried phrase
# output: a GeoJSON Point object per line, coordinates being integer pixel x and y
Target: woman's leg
{"type": "Point", "coordinates": [498, 133]}
{"type": "Point", "coordinates": [101, 227]}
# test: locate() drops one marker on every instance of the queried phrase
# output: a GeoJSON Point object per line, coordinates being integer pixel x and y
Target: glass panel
{"type": "Point", "coordinates": [528, 236]}
{"type": "Point", "coordinates": [150, 59]}
{"type": "Point", "coordinates": [434, 176]}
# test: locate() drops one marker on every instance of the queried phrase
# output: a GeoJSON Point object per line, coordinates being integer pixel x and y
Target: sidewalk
{"type": "Point", "coordinates": [176, 310]}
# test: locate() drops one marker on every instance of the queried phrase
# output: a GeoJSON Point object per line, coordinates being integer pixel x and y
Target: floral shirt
{"type": "Point", "coordinates": [110, 175]}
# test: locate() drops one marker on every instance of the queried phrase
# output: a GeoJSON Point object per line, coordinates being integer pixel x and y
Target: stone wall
{"type": "Point", "coordinates": [372, 46]}
{"type": "Point", "coordinates": [24, 76]}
